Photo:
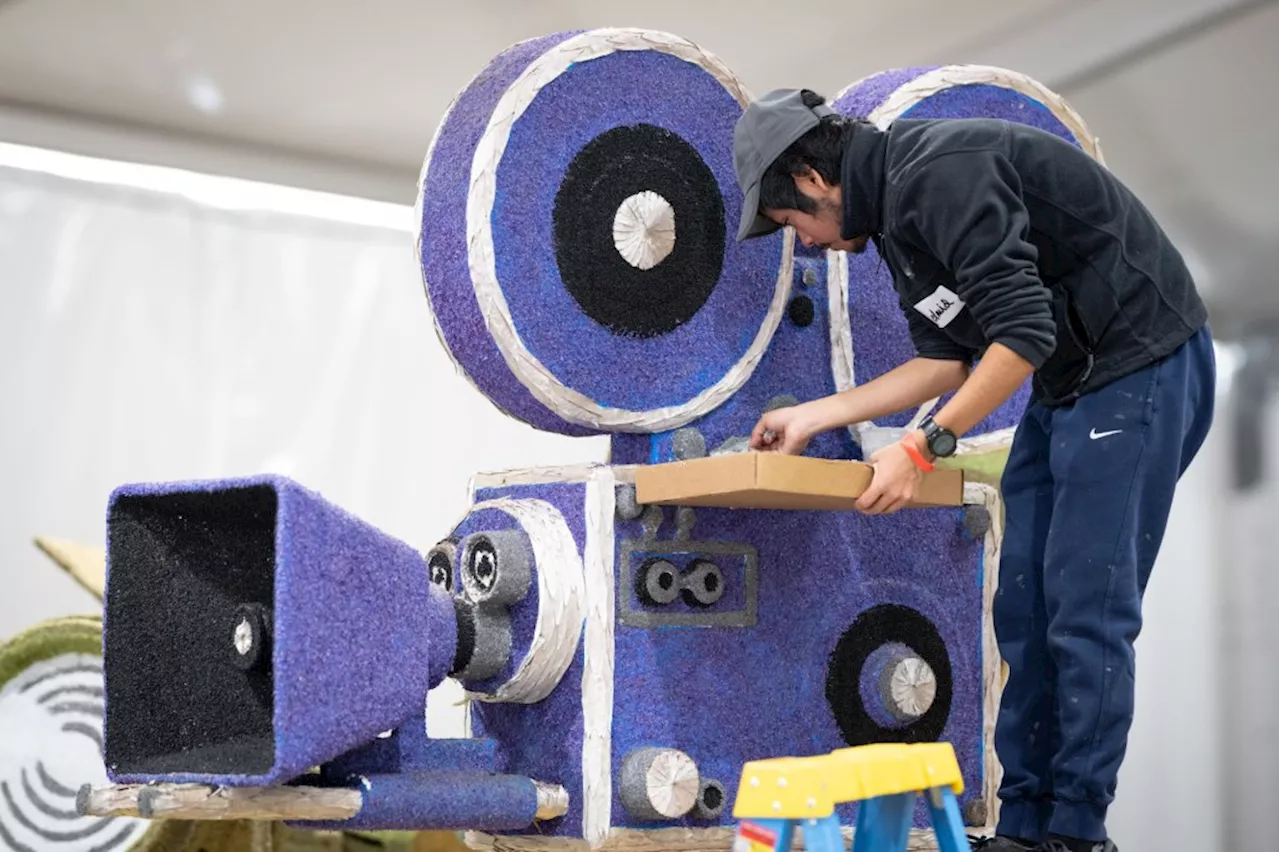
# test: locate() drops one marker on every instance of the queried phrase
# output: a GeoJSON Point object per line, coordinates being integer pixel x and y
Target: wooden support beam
{"type": "Point", "coordinates": [203, 802]}
{"type": "Point", "coordinates": [117, 800]}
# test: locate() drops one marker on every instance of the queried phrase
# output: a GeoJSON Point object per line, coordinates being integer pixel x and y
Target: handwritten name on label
{"type": "Point", "coordinates": [941, 307]}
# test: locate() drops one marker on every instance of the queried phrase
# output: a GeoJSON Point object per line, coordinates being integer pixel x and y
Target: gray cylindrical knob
{"type": "Point", "coordinates": [688, 443]}
{"type": "Point", "coordinates": [484, 641]}
{"type": "Point", "coordinates": [658, 582]}
{"type": "Point", "coordinates": [783, 400]}
{"type": "Point", "coordinates": [977, 520]}
{"type": "Point", "coordinates": [497, 567]}
{"type": "Point", "coordinates": [658, 784]}
{"type": "Point", "coordinates": [702, 583]}
{"type": "Point", "coordinates": [625, 504]}
{"type": "Point", "coordinates": [907, 687]}
{"type": "Point", "coordinates": [974, 813]}
{"type": "Point", "coordinates": [440, 562]}
{"type": "Point", "coordinates": [711, 800]}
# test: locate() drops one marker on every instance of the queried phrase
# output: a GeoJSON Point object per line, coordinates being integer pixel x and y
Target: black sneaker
{"type": "Point", "coordinates": [997, 844]}
{"type": "Point", "coordinates": [1055, 845]}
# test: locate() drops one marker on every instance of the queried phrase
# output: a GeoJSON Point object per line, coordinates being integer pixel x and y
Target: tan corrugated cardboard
{"type": "Point", "coordinates": [775, 481]}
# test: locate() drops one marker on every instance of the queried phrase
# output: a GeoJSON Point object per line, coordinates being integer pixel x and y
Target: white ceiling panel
{"type": "Point", "coordinates": [1193, 130]}
{"type": "Point", "coordinates": [368, 82]}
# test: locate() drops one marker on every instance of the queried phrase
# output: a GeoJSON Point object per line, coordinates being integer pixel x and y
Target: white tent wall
{"type": "Point", "coordinates": [1246, 564]}
{"type": "Point", "coordinates": [149, 337]}
{"type": "Point", "coordinates": [1170, 782]}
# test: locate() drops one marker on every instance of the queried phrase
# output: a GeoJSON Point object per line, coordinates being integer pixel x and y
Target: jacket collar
{"type": "Point", "coordinates": [862, 181]}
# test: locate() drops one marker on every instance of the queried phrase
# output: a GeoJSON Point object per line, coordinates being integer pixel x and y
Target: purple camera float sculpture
{"type": "Point", "coordinates": [621, 661]}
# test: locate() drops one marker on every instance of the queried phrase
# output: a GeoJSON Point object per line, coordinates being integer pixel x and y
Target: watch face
{"type": "Point", "coordinates": [942, 444]}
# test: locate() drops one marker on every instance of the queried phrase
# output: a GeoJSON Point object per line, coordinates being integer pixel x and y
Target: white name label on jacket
{"type": "Point", "coordinates": [941, 307]}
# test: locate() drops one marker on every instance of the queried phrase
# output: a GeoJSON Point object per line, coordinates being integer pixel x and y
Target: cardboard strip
{"type": "Point", "coordinates": [773, 481]}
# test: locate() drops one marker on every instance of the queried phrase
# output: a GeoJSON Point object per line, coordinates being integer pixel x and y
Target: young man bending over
{"type": "Point", "coordinates": [1011, 248]}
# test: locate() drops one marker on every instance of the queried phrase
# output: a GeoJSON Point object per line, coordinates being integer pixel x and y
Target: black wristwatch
{"type": "Point", "coordinates": [941, 441]}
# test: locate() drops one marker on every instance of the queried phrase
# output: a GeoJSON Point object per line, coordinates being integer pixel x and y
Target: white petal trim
{"type": "Point", "coordinates": [571, 405]}
{"type": "Point", "coordinates": [979, 494]}
{"type": "Point", "coordinates": [598, 656]}
{"type": "Point", "coordinates": [930, 83]}
{"type": "Point", "coordinates": [561, 596]}
{"type": "Point", "coordinates": [841, 329]}
{"type": "Point", "coordinates": [644, 229]}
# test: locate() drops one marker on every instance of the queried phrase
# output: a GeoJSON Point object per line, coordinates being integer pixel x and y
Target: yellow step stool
{"type": "Point", "coordinates": [777, 794]}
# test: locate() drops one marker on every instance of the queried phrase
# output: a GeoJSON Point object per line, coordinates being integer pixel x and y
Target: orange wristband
{"type": "Point", "coordinates": [909, 444]}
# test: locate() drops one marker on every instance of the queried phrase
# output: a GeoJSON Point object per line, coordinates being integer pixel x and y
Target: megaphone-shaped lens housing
{"type": "Point", "coordinates": [254, 630]}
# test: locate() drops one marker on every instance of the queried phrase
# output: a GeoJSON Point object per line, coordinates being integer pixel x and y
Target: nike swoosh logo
{"type": "Point", "coordinates": [1095, 435]}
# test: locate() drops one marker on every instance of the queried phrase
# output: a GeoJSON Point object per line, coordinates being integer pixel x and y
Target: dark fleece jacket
{"type": "Point", "coordinates": [997, 232]}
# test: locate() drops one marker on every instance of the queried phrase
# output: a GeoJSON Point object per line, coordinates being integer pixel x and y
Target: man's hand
{"type": "Point", "coordinates": [894, 483]}
{"type": "Point", "coordinates": [785, 430]}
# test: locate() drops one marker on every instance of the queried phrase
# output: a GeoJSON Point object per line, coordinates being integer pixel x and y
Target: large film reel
{"type": "Point", "coordinates": [869, 333]}
{"type": "Point", "coordinates": [576, 236]}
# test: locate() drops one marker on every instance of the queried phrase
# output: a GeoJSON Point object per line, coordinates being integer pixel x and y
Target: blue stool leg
{"type": "Point", "coordinates": [868, 816]}
{"type": "Point", "coordinates": [884, 823]}
{"type": "Point", "coordinates": [823, 835]}
{"type": "Point", "coordinates": [944, 812]}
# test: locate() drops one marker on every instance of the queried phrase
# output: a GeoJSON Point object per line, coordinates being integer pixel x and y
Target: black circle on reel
{"type": "Point", "coordinates": [873, 629]}
{"type": "Point", "coordinates": [609, 169]}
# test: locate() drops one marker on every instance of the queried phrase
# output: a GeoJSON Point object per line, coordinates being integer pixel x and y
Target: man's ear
{"type": "Point", "coordinates": [811, 183]}
{"type": "Point", "coordinates": [807, 178]}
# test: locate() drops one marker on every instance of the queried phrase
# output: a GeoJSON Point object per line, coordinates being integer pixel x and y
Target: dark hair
{"type": "Point", "coordinates": [821, 149]}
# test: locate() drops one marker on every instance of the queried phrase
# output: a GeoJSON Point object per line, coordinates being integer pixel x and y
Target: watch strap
{"type": "Point", "coordinates": [931, 431]}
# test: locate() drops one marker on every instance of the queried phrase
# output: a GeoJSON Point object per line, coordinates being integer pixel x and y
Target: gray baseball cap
{"type": "Point", "coordinates": [767, 127]}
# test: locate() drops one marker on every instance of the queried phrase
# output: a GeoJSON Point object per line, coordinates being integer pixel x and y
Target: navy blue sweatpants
{"type": "Point", "coordinates": [1087, 494]}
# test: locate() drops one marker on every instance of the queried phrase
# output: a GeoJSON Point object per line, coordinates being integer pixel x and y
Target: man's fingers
{"type": "Point", "coordinates": [758, 435]}
{"type": "Point", "coordinates": [903, 499]}
{"type": "Point", "coordinates": [868, 498]}
{"type": "Point", "coordinates": [876, 501]}
{"type": "Point", "coordinates": [882, 504]}
{"type": "Point", "coordinates": [875, 490]}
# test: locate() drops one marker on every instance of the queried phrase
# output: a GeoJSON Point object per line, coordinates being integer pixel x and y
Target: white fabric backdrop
{"type": "Point", "coordinates": [149, 337]}
{"type": "Point", "coordinates": [1247, 563]}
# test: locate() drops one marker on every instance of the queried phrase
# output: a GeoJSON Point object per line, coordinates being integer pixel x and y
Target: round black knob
{"type": "Point", "coordinates": [800, 311]}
